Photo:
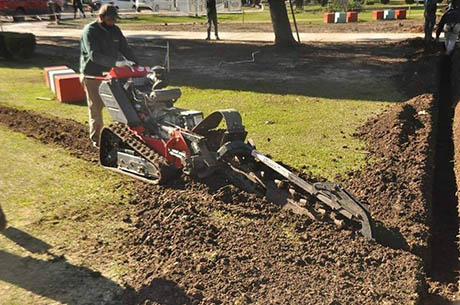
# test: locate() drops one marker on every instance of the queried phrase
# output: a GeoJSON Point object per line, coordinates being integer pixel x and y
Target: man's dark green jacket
{"type": "Point", "coordinates": [99, 46]}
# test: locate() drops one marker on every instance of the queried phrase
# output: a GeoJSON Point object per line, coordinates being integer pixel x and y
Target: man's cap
{"type": "Point", "coordinates": [109, 11]}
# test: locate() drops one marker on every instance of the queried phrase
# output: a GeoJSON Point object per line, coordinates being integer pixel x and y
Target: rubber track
{"type": "Point", "coordinates": [166, 170]}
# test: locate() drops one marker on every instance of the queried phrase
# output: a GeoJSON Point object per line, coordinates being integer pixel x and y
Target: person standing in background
{"type": "Point", "coordinates": [77, 5]}
{"type": "Point", "coordinates": [430, 19]}
{"type": "Point", "coordinates": [450, 25]}
{"type": "Point", "coordinates": [212, 18]}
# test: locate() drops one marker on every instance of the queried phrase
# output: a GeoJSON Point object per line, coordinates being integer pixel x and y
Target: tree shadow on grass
{"type": "Point", "coordinates": [61, 281]}
{"type": "Point", "coordinates": [374, 71]}
{"type": "Point", "coordinates": [26, 240]}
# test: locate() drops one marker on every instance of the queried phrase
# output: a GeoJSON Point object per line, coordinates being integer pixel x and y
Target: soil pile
{"type": "Point", "coordinates": [398, 182]}
{"type": "Point", "coordinates": [206, 242]}
{"type": "Point", "coordinates": [67, 133]}
{"type": "Point", "coordinates": [224, 246]}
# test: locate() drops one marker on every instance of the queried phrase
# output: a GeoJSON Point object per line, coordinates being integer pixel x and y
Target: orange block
{"type": "Point", "coordinates": [377, 15]}
{"type": "Point", "coordinates": [69, 88]}
{"type": "Point", "coordinates": [47, 69]}
{"type": "Point", "coordinates": [400, 14]}
{"type": "Point", "coordinates": [329, 17]}
{"type": "Point", "coordinates": [352, 17]}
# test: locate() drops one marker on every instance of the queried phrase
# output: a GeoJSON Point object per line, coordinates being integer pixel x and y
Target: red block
{"type": "Point", "coordinates": [377, 15]}
{"type": "Point", "coordinates": [47, 69]}
{"type": "Point", "coordinates": [400, 14]}
{"type": "Point", "coordinates": [69, 88]}
{"type": "Point", "coordinates": [329, 17]}
{"type": "Point", "coordinates": [352, 17]}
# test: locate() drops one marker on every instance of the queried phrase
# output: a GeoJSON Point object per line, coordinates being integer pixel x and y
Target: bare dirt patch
{"type": "Point", "coordinates": [207, 242]}
{"type": "Point", "coordinates": [399, 181]}
{"type": "Point", "coordinates": [316, 70]}
{"type": "Point", "coordinates": [66, 133]}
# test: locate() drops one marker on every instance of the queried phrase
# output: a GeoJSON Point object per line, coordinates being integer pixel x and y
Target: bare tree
{"type": "Point", "coordinates": [281, 25]}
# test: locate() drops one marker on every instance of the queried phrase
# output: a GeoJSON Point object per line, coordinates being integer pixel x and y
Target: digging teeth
{"type": "Point", "coordinates": [292, 192]}
{"type": "Point", "coordinates": [303, 202]}
{"type": "Point", "coordinates": [322, 212]}
{"type": "Point", "coordinates": [280, 184]}
{"type": "Point", "coordinates": [338, 222]}
{"type": "Point", "coordinates": [311, 214]}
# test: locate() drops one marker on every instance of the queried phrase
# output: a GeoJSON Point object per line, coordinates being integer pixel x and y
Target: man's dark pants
{"type": "Point", "coordinates": [212, 19]}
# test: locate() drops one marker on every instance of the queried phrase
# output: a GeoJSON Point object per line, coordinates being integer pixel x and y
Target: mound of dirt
{"type": "Point", "coordinates": [244, 249]}
{"type": "Point", "coordinates": [66, 133]}
{"type": "Point", "coordinates": [206, 242]}
{"type": "Point", "coordinates": [398, 182]}
{"type": "Point", "coordinates": [224, 246]}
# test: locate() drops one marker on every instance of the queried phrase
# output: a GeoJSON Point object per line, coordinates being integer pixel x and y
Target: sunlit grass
{"type": "Point", "coordinates": [57, 199]}
{"type": "Point", "coordinates": [304, 132]}
{"type": "Point", "coordinates": [312, 14]}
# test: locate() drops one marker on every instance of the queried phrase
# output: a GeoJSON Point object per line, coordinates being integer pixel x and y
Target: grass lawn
{"type": "Point", "coordinates": [312, 14]}
{"type": "Point", "coordinates": [44, 190]}
{"type": "Point", "coordinates": [299, 130]}
{"type": "Point", "coordinates": [306, 17]}
{"type": "Point", "coordinates": [306, 132]}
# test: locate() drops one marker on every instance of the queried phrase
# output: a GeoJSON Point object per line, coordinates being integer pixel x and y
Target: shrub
{"type": "Point", "coordinates": [370, 2]}
{"type": "Point", "coordinates": [354, 6]}
{"type": "Point", "coordinates": [384, 1]}
{"type": "Point", "coordinates": [3, 51]}
{"type": "Point", "coordinates": [17, 44]}
{"type": "Point", "coordinates": [410, 1]}
{"type": "Point", "coordinates": [335, 6]}
{"type": "Point", "coordinates": [332, 7]}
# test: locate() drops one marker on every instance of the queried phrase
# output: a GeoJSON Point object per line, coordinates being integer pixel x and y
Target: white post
{"type": "Point", "coordinates": [167, 54]}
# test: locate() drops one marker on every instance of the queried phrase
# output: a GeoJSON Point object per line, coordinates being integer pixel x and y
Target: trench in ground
{"type": "Point", "coordinates": [445, 223]}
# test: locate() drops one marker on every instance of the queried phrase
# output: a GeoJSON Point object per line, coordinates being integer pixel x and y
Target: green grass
{"type": "Point", "coordinates": [306, 17]}
{"type": "Point", "coordinates": [312, 14]}
{"type": "Point", "coordinates": [48, 186]}
{"type": "Point", "coordinates": [28, 85]}
{"type": "Point", "coordinates": [57, 199]}
{"type": "Point", "coordinates": [300, 131]}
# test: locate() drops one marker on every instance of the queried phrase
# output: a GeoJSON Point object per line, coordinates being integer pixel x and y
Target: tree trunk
{"type": "Point", "coordinates": [299, 5]}
{"type": "Point", "coordinates": [281, 25]}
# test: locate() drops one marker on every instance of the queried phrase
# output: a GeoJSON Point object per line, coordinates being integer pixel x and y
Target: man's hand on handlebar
{"type": "Point", "coordinates": [124, 63]}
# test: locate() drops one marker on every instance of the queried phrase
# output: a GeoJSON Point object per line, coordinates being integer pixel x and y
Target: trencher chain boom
{"type": "Point", "coordinates": [154, 141]}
